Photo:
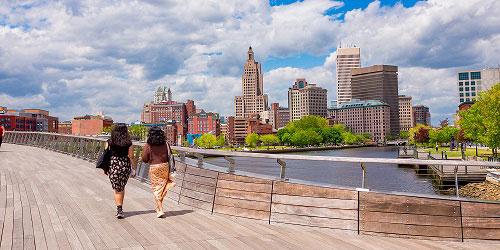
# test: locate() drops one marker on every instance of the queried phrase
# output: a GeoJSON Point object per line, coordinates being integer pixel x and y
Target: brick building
{"type": "Point", "coordinates": [201, 123]}
{"type": "Point", "coordinates": [306, 99]}
{"type": "Point", "coordinates": [44, 122]}
{"type": "Point", "coordinates": [65, 128]}
{"type": "Point", "coordinates": [421, 115]}
{"type": "Point", "coordinates": [90, 124]}
{"type": "Point", "coordinates": [18, 121]}
{"type": "Point", "coordinates": [278, 116]}
{"type": "Point", "coordinates": [369, 116]}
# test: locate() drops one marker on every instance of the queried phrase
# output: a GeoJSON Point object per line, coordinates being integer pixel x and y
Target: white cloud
{"type": "Point", "coordinates": [77, 57]}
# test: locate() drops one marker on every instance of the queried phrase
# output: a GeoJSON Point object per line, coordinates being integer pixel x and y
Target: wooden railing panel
{"type": "Point", "coordinates": [198, 188]}
{"type": "Point", "coordinates": [314, 206]}
{"type": "Point", "coordinates": [243, 197]}
{"type": "Point", "coordinates": [481, 220]}
{"type": "Point", "coordinates": [409, 217]}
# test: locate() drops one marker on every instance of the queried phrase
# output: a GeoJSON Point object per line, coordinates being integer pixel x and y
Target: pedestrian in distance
{"type": "Point", "coordinates": [2, 132]}
{"type": "Point", "coordinates": [121, 164]}
{"type": "Point", "coordinates": [158, 154]}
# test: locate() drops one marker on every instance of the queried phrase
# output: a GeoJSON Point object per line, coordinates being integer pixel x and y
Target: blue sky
{"type": "Point", "coordinates": [81, 57]}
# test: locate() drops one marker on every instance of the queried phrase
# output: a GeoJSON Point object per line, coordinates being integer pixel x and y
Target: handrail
{"type": "Point", "coordinates": [303, 157]}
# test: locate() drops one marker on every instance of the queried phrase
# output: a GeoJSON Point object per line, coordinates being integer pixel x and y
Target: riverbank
{"type": "Point", "coordinates": [483, 190]}
{"type": "Point", "coordinates": [293, 150]}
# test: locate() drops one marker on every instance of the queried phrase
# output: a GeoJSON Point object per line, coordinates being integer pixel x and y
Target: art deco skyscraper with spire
{"type": "Point", "coordinates": [253, 100]}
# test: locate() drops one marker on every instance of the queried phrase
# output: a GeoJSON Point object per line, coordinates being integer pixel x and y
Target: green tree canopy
{"type": "Point", "coordinates": [221, 141]}
{"type": "Point", "coordinates": [299, 138]}
{"type": "Point", "coordinates": [206, 141]}
{"type": "Point", "coordinates": [349, 138]}
{"type": "Point", "coordinates": [251, 140]}
{"type": "Point", "coordinates": [269, 140]}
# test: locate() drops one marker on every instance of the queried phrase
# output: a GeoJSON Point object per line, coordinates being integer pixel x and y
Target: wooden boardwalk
{"type": "Point", "coordinates": [50, 200]}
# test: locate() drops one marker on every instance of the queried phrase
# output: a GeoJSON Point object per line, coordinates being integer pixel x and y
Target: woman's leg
{"type": "Point", "coordinates": [119, 197]}
{"type": "Point", "coordinates": [158, 205]}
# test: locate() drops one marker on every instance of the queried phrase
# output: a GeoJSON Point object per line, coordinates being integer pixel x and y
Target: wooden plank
{"type": "Point", "coordinates": [255, 205]}
{"type": "Point", "coordinates": [411, 219]}
{"type": "Point", "coordinates": [315, 221]}
{"type": "Point", "coordinates": [246, 195]}
{"type": "Point", "coordinates": [315, 211]}
{"type": "Point", "coordinates": [180, 167]}
{"type": "Point", "coordinates": [480, 209]}
{"type": "Point", "coordinates": [419, 230]}
{"type": "Point", "coordinates": [201, 172]}
{"type": "Point", "coordinates": [245, 186]}
{"type": "Point", "coordinates": [241, 212]}
{"type": "Point", "coordinates": [481, 233]}
{"type": "Point", "coordinates": [418, 237]}
{"type": "Point", "coordinates": [198, 188]}
{"type": "Point", "coordinates": [315, 202]}
{"type": "Point", "coordinates": [207, 206]}
{"type": "Point", "coordinates": [313, 191]}
{"type": "Point", "coordinates": [239, 178]}
{"type": "Point", "coordinates": [481, 222]}
{"type": "Point", "coordinates": [197, 195]}
{"type": "Point", "coordinates": [200, 180]}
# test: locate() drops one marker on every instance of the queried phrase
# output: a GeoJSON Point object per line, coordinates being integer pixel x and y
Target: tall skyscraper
{"type": "Point", "coordinates": [378, 82]}
{"type": "Point", "coordinates": [405, 113]}
{"type": "Point", "coordinates": [306, 99]}
{"type": "Point", "coordinates": [253, 100]}
{"type": "Point", "coordinates": [347, 59]}
{"type": "Point", "coordinates": [471, 83]}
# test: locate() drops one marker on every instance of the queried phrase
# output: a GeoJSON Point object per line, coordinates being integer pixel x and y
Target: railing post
{"type": "Point", "coordinates": [283, 169]}
{"type": "Point", "coordinates": [182, 156]}
{"type": "Point", "coordinates": [231, 164]}
{"type": "Point", "coordinates": [363, 184]}
{"type": "Point", "coordinates": [456, 181]}
{"type": "Point", "coordinates": [200, 160]}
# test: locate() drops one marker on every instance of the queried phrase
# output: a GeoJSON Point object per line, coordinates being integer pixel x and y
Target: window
{"type": "Point", "coordinates": [461, 94]}
{"type": "Point", "coordinates": [461, 99]}
{"type": "Point", "coordinates": [473, 93]}
{"type": "Point", "coordinates": [460, 84]}
{"type": "Point", "coordinates": [466, 88]}
{"type": "Point", "coordinates": [472, 83]}
{"type": "Point", "coordinates": [463, 76]}
{"type": "Point", "coordinates": [467, 99]}
{"type": "Point", "coordinates": [466, 94]}
{"type": "Point", "coordinates": [473, 88]}
{"type": "Point", "coordinates": [475, 75]}
{"type": "Point", "coordinates": [461, 89]}
{"type": "Point", "coordinates": [466, 83]}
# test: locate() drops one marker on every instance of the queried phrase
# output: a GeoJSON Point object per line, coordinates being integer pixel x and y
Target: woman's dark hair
{"type": "Point", "coordinates": [156, 136]}
{"type": "Point", "coordinates": [120, 136]}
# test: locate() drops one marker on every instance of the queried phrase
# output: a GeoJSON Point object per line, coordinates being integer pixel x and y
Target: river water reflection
{"type": "Point", "coordinates": [383, 177]}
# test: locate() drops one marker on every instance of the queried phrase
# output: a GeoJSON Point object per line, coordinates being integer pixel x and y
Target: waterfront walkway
{"type": "Point", "coordinates": [49, 200]}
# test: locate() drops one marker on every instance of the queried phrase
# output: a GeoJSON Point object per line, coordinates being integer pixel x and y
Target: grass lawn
{"type": "Point", "coordinates": [468, 151]}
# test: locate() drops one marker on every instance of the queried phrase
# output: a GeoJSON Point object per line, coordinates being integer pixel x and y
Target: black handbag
{"type": "Point", "coordinates": [171, 160]}
{"type": "Point", "coordinates": [104, 160]}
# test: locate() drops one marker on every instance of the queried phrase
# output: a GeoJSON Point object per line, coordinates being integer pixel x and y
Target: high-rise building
{"type": "Point", "coordinates": [405, 113]}
{"type": "Point", "coordinates": [471, 83]}
{"type": "Point", "coordinates": [421, 115]}
{"type": "Point", "coordinates": [306, 99]}
{"type": "Point", "coordinates": [347, 59]}
{"type": "Point", "coordinates": [277, 116]}
{"type": "Point", "coordinates": [369, 116]}
{"type": "Point", "coordinates": [378, 82]}
{"type": "Point", "coordinates": [253, 100]}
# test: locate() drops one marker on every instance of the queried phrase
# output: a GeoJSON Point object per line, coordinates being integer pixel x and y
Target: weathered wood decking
{"type": "Point", "coordinates": [50, 200]}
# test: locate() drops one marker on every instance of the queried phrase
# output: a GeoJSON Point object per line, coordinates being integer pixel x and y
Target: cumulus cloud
{"type": "Point", "coordinates": [78, 57]}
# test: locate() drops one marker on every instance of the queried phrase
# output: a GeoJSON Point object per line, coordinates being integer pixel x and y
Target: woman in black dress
{"type": "Point", "coordinates": [122, 159]}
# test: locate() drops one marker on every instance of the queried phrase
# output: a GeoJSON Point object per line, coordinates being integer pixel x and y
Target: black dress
{"type": "Point", "coordinates": [120, 167]}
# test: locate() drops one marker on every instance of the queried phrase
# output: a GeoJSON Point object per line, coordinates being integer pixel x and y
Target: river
{"type": "Point", "coordinates": [382, 177]}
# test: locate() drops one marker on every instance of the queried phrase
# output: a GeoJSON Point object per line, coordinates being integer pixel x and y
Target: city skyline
{"type": "Point", "coordinates": [55, 59]}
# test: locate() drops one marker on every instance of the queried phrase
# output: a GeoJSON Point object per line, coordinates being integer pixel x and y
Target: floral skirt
{"type": "Point", "coordinates": [160, 181]}
{"type": "Point", "coordinates": [119, 172]}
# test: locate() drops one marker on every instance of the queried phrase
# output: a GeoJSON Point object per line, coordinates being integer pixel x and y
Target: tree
{"type": "Point", "coordinates": [444, 123]}
{"type": "Point", "coordinates": [140, 131]}
{"type": "Point", "coordinates": [413, 132]}
{"type": "Point", "coordinates": [269, 140]}
{"type": "Point", "coordinates": [388, 138]}
{"type": "Point", "coordinates": [404, 134]}
{"type": "Point", "coordinates": [221, 141]}
{"type": "Point", "coordinates": [108, 129]}
{"type": "Point", "coordinates": [422, 135]}
{"type": "Point", "coordinates": [206, 141]}
{"type": "Point", "coordinates": [286, 138]}
{"type": "Point", "coordinates": [331, 135]}
{"type": "Point", "coordinates": [313, 138]}
{"type": "Point", "coordinates": [307, 122]}
{"type": "Point", "coordinates": [251, 140]}
{"type": "Point", "coordinates": [367, 136]}
{"type": "Point", "coordinates": [481, 122]}
{"type": "Point", "coordinates": [349, 138]}
{"type": "Point", "coordinates": [299, 138]}
{"type": "Point", "coordinates": [281, 133]}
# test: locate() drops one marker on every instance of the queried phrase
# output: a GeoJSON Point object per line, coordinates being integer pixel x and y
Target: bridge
{"type": "Point", "coordinates": [52, 197]}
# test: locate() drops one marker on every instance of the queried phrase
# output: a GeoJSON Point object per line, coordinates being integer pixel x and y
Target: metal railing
{"type": "Point", "coordinates": [372, 173]}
